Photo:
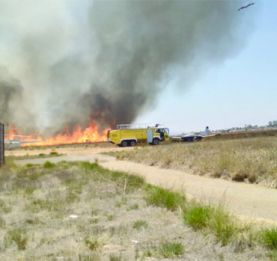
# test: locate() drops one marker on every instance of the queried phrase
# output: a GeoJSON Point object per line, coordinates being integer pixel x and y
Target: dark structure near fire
{"type": "Point", "coordinates": [2, 145]}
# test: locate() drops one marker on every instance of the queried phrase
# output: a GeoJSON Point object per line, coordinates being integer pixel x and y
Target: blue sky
{"type": "Point", "coordinates": [242, 90]}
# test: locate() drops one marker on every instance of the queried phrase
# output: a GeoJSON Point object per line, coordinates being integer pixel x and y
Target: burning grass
{"type": "Point", "coordinates": [77, 135]}
{"type": "Point", "coordinates": [252, 160]}
{"type": "Point", "coordinates": [82, 211]}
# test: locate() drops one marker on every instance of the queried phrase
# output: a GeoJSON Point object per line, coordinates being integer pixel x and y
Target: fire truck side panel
{"type": "Point", "coordinates": [137, 135]}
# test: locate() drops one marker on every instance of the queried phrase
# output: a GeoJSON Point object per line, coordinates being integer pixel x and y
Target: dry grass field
{"type": "Point", "coordinates": [244, 134]}
{"type": "Point", "coordinates": [80, 211]}
{"type": "Point", "coordinates": [252, 160]}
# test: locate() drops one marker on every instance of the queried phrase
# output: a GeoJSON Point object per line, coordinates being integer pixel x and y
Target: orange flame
{"type": "Point", "coordinates": [78, 135]}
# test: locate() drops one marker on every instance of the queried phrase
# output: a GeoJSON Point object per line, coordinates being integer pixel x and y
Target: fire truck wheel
{"type": "Point", "coordinates": [124, 143]}
{"type": "Point", "coordinates": [133, 143]}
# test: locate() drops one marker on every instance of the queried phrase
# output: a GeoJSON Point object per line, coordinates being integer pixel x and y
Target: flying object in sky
{"type": "Point", "coordinates": [245, 6]}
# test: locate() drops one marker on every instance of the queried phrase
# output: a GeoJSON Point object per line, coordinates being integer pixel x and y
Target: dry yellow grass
{"type": "Point", "coordinates": [252, 160]}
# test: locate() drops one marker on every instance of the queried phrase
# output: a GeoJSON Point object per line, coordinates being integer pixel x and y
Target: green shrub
{"type": "Point", "coordinates": [164, 198]}
{"type": "Point", "coordinates": [165, 250]}
{"type": "Point", "coordinates": [139, 224]}
{"type": "Point", "coordinates": [129, 182]}
{"type": "Point", "coordinates": [223, 226]}
{"type": "Point", "coordinates": [87, 166]}
{"type": "Point", "coordinates": [171, 250]}
{"type": "Point", "coordinates": [29, 165]}
{"type": "Point", "coordinates": [4, 208]}
{"type": "Point", "coordinates": [216, 220]}
{"type": "Point", "coordinates": [198, 216]}
{"type": "Point", "coordinates": [269, 238]}
{"type": "Point", "coordinates": [92, 243]}
{"type": "Point", "coordinates": [29, 190]}
{"type": "Point", "coordinates": [48, 165]}
{"type": "Point", "coordinates": [18, 236]}
{"type": "Point", "coordinates": [134, 182]}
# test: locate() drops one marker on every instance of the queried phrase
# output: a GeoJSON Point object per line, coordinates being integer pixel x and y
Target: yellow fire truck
{"type": "Point", "coordinates": [127, 135]}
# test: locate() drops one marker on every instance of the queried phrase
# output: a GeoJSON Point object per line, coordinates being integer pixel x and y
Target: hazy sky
{"type": "Point", "coordinates": [241, 91]}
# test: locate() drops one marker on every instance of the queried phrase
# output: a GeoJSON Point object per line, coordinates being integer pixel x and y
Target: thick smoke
{"type": "Point", "coordinates": [76, 61]}
{"type": "Point", "coordinates": [11, 92]}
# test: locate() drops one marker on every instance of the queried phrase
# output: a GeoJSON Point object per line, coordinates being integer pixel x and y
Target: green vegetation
{"type": "Point", "coordinates": [198, 216]}
{"type": "Point", "coordinates": [140, 224]}
{"type": "Point", "coordinates": [48, 165]}
{"type": "Point", "coordinates": [251, 160]}
{"type": "Point", "coordinates": [164, 198]}
{"type": "Point", "coordinates": [166, 250]}
{"type": "Point", "coordinates": [273, 255]}
{"type": "Point", "coordinates": [4, 208]}
{"type": "Point", "coordinates": [93, 244]}
{"type": "Point", "coordinates": [170, 250]}
{"type": "Point", "coordinates": [51, 192]}
{"type": "Point", "coordinates": [269, 238]}
{"type": "Point", "coordinates": [223, 226]}
{"type": "Point", "coordinates": [133, 207]}
{"type": "Point", "coordinates": [56, 203]}
{"type": "Point", "coordinates": [129, 182]}
{"type": "Point", "coordinates": [18, 236]}
{"type": "Point", "coordinates": [216, 220]}
{"type": "Point", "coordinates": [88, 166]}
{"type": "Point", "coordinates": [57, 190]}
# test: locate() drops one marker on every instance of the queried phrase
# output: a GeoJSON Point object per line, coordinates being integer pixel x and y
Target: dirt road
{"type": "Point", "coordinates": [248, 201]}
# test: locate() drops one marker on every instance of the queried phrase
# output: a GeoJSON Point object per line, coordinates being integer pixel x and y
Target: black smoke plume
{"type": "Point", "coordinates": [106, 60]}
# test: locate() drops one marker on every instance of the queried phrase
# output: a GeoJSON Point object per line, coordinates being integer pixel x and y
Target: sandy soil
{"type": "Point", "coordinates": [250, 202]}
{"type": "Point", "coordinates": [81, 150]}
